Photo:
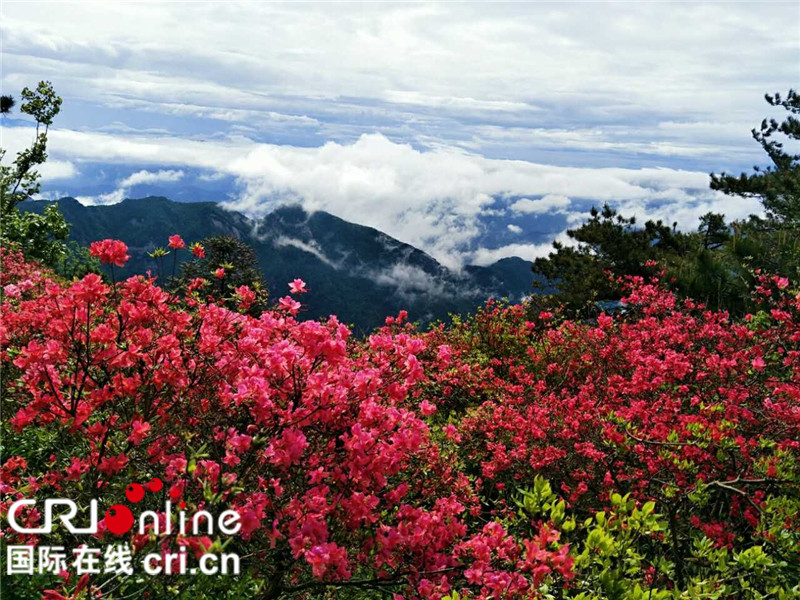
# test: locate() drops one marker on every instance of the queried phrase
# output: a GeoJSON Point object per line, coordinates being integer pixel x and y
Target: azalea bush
{"type": "Point", "coordinates": [668, 404]}
{"type": "Point", "coordinates": [514, 454]}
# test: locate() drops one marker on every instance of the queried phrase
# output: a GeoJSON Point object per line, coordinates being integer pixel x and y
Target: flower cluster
{"type": "Point", "coordinates": [110, 252]}
{"type": "Point", "coordinates": [397, 461]}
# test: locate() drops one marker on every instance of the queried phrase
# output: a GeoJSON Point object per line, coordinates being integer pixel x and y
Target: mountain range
{"type": "Point", "coordinates": [357, 273]}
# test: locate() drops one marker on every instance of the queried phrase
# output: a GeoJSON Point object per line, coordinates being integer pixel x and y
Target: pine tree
{"type": "Point", "coordinates": [778, 185]}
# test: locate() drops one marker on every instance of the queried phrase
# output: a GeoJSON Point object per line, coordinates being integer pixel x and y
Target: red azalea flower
{"type": "Point", "coordinates": [110, 252]}
{"type": "Point", "coordinates": [176, 241]}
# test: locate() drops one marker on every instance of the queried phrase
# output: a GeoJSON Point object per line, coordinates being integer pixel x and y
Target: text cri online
{"type": "Point", "coordinates": [176, 564]}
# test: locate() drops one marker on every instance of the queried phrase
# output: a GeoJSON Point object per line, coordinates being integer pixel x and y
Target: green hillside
{"type": "Point", "coordinates": [356, 272]}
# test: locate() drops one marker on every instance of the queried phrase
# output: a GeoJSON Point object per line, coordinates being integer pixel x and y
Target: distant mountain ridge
{"type": "Point", "coordinates": [358, 273]}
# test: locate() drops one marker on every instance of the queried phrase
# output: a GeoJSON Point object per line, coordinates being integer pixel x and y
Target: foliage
{"type": "Point", "coordinates": [623, 552]}
{"type": "Point", "coordinates": [6, 104]}
{"type": "Point", "coordinates": [239, 268]}
{"type": "Point", "coordinates": [41, 236]}
{"type": "Point", "coordinates": [778, 185]}
{"type": "Point", "coordinates": [77, 262]}
{"type": "Point", "coordinates": [607, 242]}
{"type": "Point", "coordinates": [764, 246]}
{"type": "Point", "coordinates": [717, 265]}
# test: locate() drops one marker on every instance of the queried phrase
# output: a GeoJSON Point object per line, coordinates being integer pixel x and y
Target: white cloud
{"type": "Point", "coordinates": [487, 256]}
{"type": "Point", "coordinates": [311, 248]}
{"type": "Point", "coordinates": [433, 200]}
{"type": "Point", "coordinates": [410, 281]}
{"type": "Point", "coordinates": [211, 176]}
{"type": "Point", "coordinates": [125, 185]}
{"type": "Point", "coordinates": [547, 204]}
{"type": "Point", "coordinates": [406, 97]}
{"type": "Point", "coordinates": [514, 228]}
{"type": "Point", "coordinates": [639, 78]}
{"type": "Point", "coordinates": [149, 177]}
{"type": "Point", "coordinates": [57, 169]}
{"type": "Point", "coordinates": [416, 53]}
{"type": "Point", "coordinates": [15, 139]}
{"type": "Point", "coordinates": [114, 197]}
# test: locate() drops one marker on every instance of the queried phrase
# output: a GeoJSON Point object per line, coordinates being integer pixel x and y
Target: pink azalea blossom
{"type": "Point", "coordinates": [12, 290]}
{"type": "Point", "coordinates": [289, 304]}
{"type": "Point", "coordinates": [298, 286]}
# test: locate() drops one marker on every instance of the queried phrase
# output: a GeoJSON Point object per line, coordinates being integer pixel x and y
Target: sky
{"type": "Point", "coordinates": [471, 130]}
